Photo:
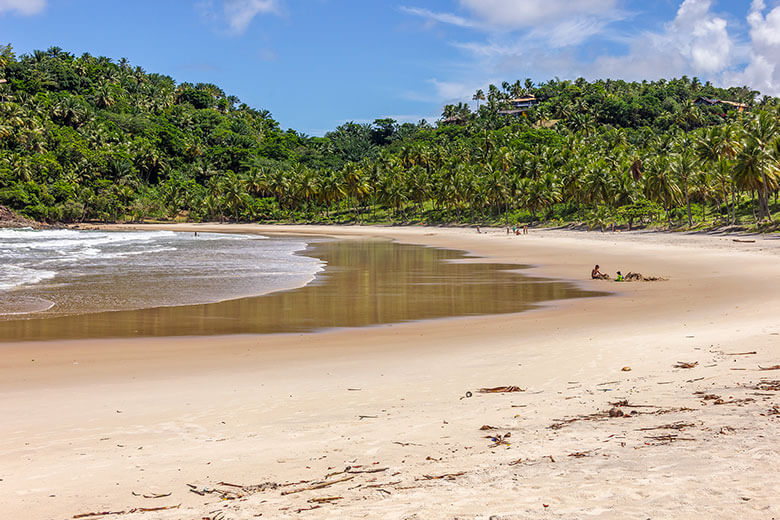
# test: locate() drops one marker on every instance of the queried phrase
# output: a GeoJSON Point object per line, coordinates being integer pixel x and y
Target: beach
{"type": "Point", "coordinates": [648, 403]}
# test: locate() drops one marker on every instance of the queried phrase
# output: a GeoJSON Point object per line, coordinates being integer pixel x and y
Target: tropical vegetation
{"type": "Point", "coordinates": [90, 138]}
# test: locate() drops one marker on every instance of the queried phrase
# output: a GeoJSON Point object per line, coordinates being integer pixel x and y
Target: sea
{"type": "Point", "coordinates": [58, 272]}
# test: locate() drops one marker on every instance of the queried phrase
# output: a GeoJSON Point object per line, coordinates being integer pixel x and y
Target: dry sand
{"type": "Point", "coordinates": [88, 426]}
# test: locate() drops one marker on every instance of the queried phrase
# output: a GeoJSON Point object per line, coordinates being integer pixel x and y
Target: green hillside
{"type": "Point", "coordinates": [91, 138]}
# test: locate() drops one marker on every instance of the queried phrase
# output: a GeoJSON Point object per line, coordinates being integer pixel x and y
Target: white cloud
{"type": "Point", "coordinates": [447, 18]}
{"type": "Point", "coordinates": [239, 13]}
{"type": "Point", "coordinates": [695, 43]}
{"type": "Point", "coordinates": [514, 14]}
{"type": "Point", "coordinates": [761, 71]}
{"type": "Point", "coordinates": [451, 90]}
{"type": "Point", "coordinates": [512, 39]}
{"type": "Point", "coordinates": [700, 36]}
{"type": "Point", "coordinates": [559, 22]}
{"type": "Point", "coordinates": [25, 7]}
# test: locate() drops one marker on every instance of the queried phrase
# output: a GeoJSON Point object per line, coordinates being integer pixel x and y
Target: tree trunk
{"type": "Point", "coordinates": [704, 211]}
{"type": "Point", "coordinates": [764, 196]}
{"type": "Point", "coordinates": [688, 202]}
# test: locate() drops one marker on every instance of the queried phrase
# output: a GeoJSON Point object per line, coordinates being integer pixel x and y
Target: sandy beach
{"type": "Point", "coordinates": [388, 421]}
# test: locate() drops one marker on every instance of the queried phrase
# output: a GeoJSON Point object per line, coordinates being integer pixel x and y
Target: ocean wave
{"type": "Point", "coordinates": [229, 236]}
{"type": "Point", "coordinates": [12, 276]}
{"type": "Point", "coordinates": [125, 254]}
{"type": "Point", "coordinates": [65, 239]}
{"type": "Point", "coordinates": [156, 268]}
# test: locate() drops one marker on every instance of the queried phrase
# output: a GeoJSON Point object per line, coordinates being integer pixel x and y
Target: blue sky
{"type": "Point", "coordinates": [318, 63]}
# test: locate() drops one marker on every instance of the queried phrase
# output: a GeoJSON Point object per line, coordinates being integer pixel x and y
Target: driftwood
{"type": "Point", "coordinates": [767, 385]}
{"type": "Point", "coordinates": [103, 513]}
{"type": "Point", "coordinates": [446, 476]}
{"type": "Point", "coordinates": [773, 367]}
{"type": "Point", "coordinates": [684, 364]}
{"type": "Point", "coordinates": [626, 404]}
{"type": "Point", "coordinates": [498, 440]}
{"type": "Point", "coordinates": [151, 495]}
{"type": "Point", "coordinates": [672, 426]}
{"type": "Point", "coordinates": [639, 277]}
{"type": "Point", "coordinates": [581, 454]}
{"type": "Point", "coordinates": [239, 492]}
{"type": "Point", "coordinates": [373, 470]}
{"type": "Point", "coordinates": [318, 485]}
{"type": "Point", "coordinates": [382, 485]}
{"type": "Point", "coordinates": [501, 390]}
{"type": "Point", "coordinates": [613, 413]}
{"type": "Point", "coordinates": [127, 512]}
{"type": "Point", "coordinates": [324, 500]}
{"type": "Point", "coordinates": [669, 437]}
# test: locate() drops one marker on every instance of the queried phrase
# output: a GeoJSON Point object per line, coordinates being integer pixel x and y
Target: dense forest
{"type": "Point", "coordinates": [90, 138]}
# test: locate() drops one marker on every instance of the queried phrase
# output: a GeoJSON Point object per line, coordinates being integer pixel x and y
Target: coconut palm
{"type": "Point", "coordinates": [683, 165]}
{"type": "Point", "coordinates": [762, 131]}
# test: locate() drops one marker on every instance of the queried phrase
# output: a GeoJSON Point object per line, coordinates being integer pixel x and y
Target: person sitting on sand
{"type": "Point", "coordinates": [598, 275]}
{"type": "Point", "coordinates": [619, 277]}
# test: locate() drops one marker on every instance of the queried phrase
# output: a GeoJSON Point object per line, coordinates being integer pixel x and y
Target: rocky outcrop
{"type": "Point", "coordinates": [10, 219]}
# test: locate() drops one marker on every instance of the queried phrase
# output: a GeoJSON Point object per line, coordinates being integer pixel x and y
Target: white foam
{"type": "Point", "coordinates": [12, 276]}
{"type": "Point", "coordinates": [65, 239]}
{"type": "Point", "coordinates": [203, 269]}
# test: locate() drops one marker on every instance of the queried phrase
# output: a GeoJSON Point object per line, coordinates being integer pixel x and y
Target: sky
{"type": "Point", "coordinates": [316, 64]}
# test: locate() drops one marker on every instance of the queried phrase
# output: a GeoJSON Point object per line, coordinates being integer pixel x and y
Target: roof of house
{"type": "Point", "coordinates": [734, 103]}
{"type": "Point", "coordinates": [523, 99]}
{"type": "Point", "coordinates": [714, 101]}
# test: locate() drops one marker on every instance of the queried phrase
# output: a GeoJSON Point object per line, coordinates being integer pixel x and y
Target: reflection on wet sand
{"type": "Point", "coordinates": [366, 282]}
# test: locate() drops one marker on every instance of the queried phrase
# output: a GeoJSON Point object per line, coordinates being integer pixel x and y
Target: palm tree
{"type": "Point", "coordinates": [232, 193]}
{"type": "Point", "coordinates": [754, 171]}
{"type": "Point", "coordinates": [661, 186]}
{"type": "Point", "coordinates": [478, 96]}
{"type": "Point", "coordinates": [762, 131]}
{"type": "Point", "coordinates": [683, 165]}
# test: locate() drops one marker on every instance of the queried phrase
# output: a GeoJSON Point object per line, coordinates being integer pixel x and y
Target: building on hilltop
{"type": "Point", "coordinates": [712, 101]}
{"type": "Point", "coordinates": [519, 105]}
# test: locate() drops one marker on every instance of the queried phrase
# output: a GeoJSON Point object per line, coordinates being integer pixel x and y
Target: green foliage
{"type": "Point", "coordinates": [87, 138]}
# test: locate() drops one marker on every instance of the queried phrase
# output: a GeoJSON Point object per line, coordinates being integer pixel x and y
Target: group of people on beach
{"type": "Point", "coordinates": [519, 230]}
{"type": "Point", "coordinates": [595, 274]}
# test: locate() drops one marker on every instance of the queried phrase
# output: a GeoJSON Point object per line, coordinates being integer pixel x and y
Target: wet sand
{"type": "Point", "coordinates": [365, 283]}
{"type": "Point", "coordinates": [89, 423]}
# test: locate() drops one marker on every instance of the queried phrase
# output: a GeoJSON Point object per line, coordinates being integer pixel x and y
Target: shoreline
{"type": "Point", "coordinates": [276, 409]}
{"type": "Point", "coordinates": [184, 291]}
{"type": "Point", "coordinates": [367, 282]}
